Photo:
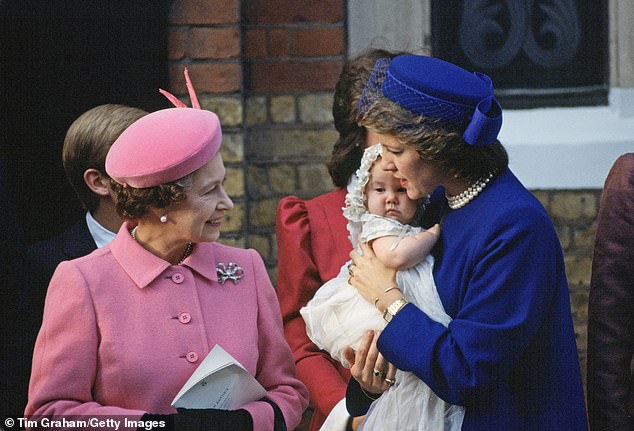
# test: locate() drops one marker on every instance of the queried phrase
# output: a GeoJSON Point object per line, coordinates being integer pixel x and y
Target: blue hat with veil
{"type": "Point", "coordinates": [450, 97]}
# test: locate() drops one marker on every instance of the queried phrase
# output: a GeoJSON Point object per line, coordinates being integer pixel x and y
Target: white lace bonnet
{"type": "Point", "coordinates": [355, 199]}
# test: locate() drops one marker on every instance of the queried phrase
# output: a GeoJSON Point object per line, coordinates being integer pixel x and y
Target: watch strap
{"type": "Point", "coordinates": [394, 308]}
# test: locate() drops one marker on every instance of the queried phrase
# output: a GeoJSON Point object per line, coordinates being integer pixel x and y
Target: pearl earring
{"type": "Point", "coordinates": [163, 218]}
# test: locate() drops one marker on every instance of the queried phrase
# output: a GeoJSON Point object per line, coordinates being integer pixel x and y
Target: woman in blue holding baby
{"type": "Point", "coordinates": [509, 354]}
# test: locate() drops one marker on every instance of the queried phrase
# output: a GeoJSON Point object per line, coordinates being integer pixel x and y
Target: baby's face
{"type": "Point", "coordinates": [386, 197]}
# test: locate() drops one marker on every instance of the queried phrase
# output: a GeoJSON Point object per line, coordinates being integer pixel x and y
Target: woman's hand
{"type": "Point", "coordinates": [374, 374]}
{"type": "Point", "coordinates": [372, 278]}
{"type": "Point", "coordinates": [356, 422]}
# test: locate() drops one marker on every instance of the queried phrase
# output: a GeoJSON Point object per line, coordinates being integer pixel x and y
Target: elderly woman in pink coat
{"type": "Point", "coordinates": [126, 326]}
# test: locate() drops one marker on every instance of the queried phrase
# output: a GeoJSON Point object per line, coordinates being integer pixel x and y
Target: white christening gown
{"type": "Point", "coordinates": [338, 316]}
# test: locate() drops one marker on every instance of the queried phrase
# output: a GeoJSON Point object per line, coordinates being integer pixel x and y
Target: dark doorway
{"type": "Point", "coordinates": [60, 58]}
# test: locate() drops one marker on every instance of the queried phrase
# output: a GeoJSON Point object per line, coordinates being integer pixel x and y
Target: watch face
{"type": "Point", "coordinates": [394, 308]}
{"type": "Point", "coordinates": [387, 316]}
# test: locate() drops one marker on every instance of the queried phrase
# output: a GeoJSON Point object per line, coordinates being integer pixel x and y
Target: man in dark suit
{"type": "Point", "coordinates": [85, 147]}
{"type": "Point", "coordinates": [84, 153]}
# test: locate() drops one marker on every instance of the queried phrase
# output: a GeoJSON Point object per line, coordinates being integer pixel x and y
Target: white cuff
{"type": "Point", "coordinates": [338, 418]}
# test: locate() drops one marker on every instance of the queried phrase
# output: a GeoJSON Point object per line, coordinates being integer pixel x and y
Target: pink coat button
{"type": "Point", "coordinates": [192, 357]}
{"type": "Point", "coordinates": [184, 318]}
{"type": "Point", "coordinates": [178, 278]}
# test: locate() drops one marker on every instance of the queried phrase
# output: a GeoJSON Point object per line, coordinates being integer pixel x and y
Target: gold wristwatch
{"type": "Point", "coordinates": [394, 308]}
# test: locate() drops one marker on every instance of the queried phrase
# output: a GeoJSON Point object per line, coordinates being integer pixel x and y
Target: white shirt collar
{"type": "Point", "coordinates": [100, 234]}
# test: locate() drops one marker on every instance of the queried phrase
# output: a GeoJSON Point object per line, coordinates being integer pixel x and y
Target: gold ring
{"type": "Point", "coordinates": [378, 373]}
{"type": "Point", "coordinates": [389, 381]}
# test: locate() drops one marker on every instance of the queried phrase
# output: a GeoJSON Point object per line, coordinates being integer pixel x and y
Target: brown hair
{"type": "Point", "coordinates": [87, 142]}
{"type": "Point", "coordinates": [447, 149]}
{"type": "Point", "coordinates": [347, 152]}
{"type": "Point", "coordinates": [134, 203]}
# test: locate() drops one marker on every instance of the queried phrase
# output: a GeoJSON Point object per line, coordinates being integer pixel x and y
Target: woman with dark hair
{"type": "Point", "coordinates": [125, 327]}
{"type": "Point", "coordinates": [509, 354]}
{"type": "Point", "coordinates": [312, 244]}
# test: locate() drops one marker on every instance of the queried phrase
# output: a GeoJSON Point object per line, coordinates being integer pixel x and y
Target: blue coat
{"type": "Point", "coordinates": [509, 355]}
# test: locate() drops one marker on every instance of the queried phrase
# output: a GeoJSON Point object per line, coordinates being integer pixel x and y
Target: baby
{"type": "Point", "coordinates": [380, 213]}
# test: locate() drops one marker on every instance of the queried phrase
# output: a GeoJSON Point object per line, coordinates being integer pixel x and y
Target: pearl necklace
{"type": "Point", "coordinates": [470, 194]}
{"type": "Point", "coordinates": [188, 250]}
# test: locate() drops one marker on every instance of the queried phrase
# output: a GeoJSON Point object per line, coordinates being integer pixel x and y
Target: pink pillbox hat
{"type": "Point", "coordinates": [165, 145]}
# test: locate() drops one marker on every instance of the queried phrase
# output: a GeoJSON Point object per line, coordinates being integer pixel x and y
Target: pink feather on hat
{"type": "Point", "coordinates": [190, 89]}
{"type": "Point", "coordinates": [165, 145]}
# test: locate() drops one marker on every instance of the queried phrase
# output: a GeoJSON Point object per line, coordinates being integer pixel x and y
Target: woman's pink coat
{"type": "Point", "coordinates": [123, 330]}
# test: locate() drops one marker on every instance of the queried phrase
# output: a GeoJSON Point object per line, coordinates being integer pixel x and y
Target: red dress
{"type": "Point", "coordinates": [312, 245]}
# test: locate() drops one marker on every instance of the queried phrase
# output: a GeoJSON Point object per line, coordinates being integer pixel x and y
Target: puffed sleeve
{"type": "Point", "coordinates": [611, 305]}
{"type": "Point", "coordinates": [65, 355]}
{"type": "Point", "coordinates": [297, 281]}
{"type": "Point", "coordinates": [275, 370]}
{"type": "Point", "coordinates": [504, 304]}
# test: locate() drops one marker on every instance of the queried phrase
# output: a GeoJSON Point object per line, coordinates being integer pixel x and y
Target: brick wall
{"type": "Point", "coordinates": [268, 68]}
{"type": "Point", "coordinates": [574, 215]}
{"type": "Point", "coordinates": [293, 45]}
{"type": "Point", "coordinates": [293, 54]}
{"type": "Point", "coordinates": [205, 36]}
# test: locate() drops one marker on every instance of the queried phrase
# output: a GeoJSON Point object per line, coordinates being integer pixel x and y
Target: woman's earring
{"type": "Point", "coordinates": [163, 218]}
